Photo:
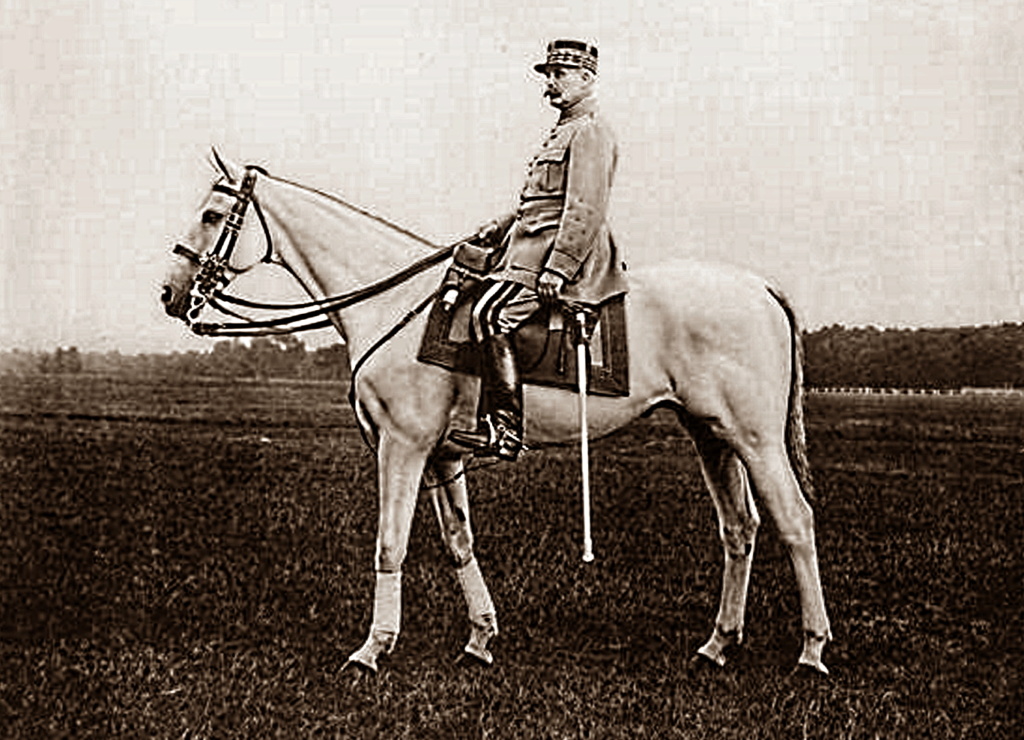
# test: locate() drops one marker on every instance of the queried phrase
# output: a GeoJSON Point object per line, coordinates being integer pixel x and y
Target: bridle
{"type": "Point", "coordinates": [215, 269]}
{"type": "Point", "coordinates": [216, 273]}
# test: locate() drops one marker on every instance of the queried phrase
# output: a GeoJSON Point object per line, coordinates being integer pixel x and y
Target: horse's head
{"type": "Point", "coordinates": [206, 259]}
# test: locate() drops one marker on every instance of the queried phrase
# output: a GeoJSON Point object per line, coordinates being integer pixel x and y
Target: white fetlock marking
{"type": "Point", "coordinates": [814, 645]}
{"type": "Point", "coordinates": [478, 599]}
{"type": "Point", "coordinates": [482, 617]}
{"type": "Point", "coordinates": [387, 606]}
{"type": "Point", "coordinates": [387, 619]}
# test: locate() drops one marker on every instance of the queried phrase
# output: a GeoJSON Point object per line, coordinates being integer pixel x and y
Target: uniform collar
{"type": "Point", "coordinates": [583, 107]}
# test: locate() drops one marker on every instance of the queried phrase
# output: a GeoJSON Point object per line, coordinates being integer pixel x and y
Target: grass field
{"type": "Point", "coordinates": [195, 560]}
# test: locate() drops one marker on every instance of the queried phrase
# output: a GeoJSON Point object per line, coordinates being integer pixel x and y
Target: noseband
{"type": "Point", "coordinates": [215, 265]}
{"type": "Point", "coordinates": [215, 273]}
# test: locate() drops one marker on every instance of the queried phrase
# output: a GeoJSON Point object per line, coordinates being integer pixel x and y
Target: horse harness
{"type": "Point", "coordinates": [216, 273]}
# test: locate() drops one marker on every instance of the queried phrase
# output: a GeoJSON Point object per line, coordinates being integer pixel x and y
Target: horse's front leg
{"type": "Point", "coordinates": [399, 468]}
{"type": "Point", "coordinates": [451, 503]}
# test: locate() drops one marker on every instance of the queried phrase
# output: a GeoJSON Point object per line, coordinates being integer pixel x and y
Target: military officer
{"type": "Point", "coordinates": [555, 247]}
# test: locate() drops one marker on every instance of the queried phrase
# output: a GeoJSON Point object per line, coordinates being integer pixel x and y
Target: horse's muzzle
{"type": "Point", "coordinates": [175, 306]}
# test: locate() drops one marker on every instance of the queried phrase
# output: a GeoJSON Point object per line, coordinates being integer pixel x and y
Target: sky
{"type": "Point", "coordinates": [867, 155]}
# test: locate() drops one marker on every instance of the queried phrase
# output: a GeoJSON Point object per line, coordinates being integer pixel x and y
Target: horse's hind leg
{"type": "Point", "coordinates": [738, 523]}
{"type": "Point", "coordinates": [451, 503]}
{"type": "Point", "coordinates": [776, 484]}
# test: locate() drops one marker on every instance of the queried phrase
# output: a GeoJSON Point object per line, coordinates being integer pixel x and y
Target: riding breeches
{"type": "Point", "coordinates": [502, 308]}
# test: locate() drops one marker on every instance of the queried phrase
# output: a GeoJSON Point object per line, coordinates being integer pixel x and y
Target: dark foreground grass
{"type": "Point", "coordinates": [197, 562]}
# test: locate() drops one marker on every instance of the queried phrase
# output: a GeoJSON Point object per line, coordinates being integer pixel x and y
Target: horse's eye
{"type": "Point", "coordinates": [212, 217]}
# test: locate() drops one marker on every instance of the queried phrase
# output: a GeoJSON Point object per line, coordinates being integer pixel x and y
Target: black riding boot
{"type": "Point", "coordinates": [500, 431]}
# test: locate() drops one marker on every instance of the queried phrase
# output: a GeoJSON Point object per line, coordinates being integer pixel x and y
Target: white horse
{"type": "Point", "coordinates": [718, 345]}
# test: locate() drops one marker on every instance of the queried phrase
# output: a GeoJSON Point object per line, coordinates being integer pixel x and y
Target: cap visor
{"type": "Point", "coordinates": [543, 67]}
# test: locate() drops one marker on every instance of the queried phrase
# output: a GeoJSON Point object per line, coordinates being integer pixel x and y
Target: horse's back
{"type": "Point", "coordinates": [691, 282]}
{"type": "Point", "coordinates": [710, 332]}
{"type": "Point", "coordinates": [705, 298]}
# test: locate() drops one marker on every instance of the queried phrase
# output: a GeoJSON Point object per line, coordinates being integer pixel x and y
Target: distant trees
{"type": "Point", "coordinates": [986, 356]}
{"type": "Point", "coordinates": [61, 361]}
{"type": "Point", "coordinates": [264, 357]}
{"type": "Point", "coordinates": [835, 356]}
{"type": "Point", "coordinates": [277, 357]}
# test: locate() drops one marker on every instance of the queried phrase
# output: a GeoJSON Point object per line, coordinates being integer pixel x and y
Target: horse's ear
{"type": "Point", "coordinates": [220, 164]}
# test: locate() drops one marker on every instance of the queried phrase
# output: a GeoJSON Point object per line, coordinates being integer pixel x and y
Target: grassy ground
{"type": "Point", "coordinates": [196, 561]}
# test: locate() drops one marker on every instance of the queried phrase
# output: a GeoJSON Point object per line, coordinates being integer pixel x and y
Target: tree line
{"type": "Point", "coordinates": [947, 358]}
{"type": "Point", "coordinates": [835, 356]}
{"type": "Point", "coordinates": [264, 357]}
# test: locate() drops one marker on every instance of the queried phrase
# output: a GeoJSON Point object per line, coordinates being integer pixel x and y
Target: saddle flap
{"type": "Point", "coordinates": [545, 344]}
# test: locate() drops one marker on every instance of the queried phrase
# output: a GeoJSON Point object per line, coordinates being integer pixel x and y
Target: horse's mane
{"type": "Point", "coordinates": [357, 209]}
{"type": "Point", "coordinates": [222, 167]}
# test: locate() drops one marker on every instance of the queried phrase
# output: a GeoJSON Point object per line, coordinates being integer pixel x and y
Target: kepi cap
{"type": "Point", "coordinates": [569, 53]}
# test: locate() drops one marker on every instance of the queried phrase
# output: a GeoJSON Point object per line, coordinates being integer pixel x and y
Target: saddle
{"type": "Point", "coordinates": [545, 345]}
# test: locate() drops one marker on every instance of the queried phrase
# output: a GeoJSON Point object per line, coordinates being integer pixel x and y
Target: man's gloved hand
{"type": "Point", "coordinates": [487, 234]}
{"type": "Point", "coordinates": [549, 286]}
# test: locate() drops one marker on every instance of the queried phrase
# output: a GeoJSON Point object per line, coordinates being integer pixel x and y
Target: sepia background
{"type": "Point", "coordinates": [188, 529]}
{"type": "Point", "coordinates": [866, 155]}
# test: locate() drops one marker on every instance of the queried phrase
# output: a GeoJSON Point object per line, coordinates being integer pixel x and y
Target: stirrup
{"type": "Point", "coordinates": [498, 439]}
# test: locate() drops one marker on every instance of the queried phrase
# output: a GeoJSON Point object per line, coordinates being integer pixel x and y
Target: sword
{"type": "Point", "coordinates": [581, 367]}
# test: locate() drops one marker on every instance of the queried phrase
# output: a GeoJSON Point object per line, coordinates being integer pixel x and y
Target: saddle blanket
{"type": "Point", "coordinates": [545, 345]}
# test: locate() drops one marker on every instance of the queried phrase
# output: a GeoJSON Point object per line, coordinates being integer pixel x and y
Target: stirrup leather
{"type": "Point", "coordinates": [496, 435]}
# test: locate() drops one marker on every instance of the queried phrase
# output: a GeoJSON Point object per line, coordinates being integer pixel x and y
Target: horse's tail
{"type": "Point", "coordinates": [796, 442]}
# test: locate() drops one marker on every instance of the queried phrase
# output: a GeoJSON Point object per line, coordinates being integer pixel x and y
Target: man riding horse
{"type": "Point", "coordinates": [555, 248]}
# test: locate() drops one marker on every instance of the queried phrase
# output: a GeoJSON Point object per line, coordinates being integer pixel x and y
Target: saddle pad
{"type": "Point", "coordinates": [545, 346]}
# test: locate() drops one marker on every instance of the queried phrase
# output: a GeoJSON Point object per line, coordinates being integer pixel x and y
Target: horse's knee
{"type": "Point", "coordinates": [458, 539]}
{"type": "Point", "coordinates": [390, 555]}
{"type": "Point", "coordinates": [738, 538]}
{"type": "Point", "coordinates": [456, 533]}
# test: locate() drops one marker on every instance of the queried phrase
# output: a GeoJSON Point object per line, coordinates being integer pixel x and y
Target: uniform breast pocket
{"type": "Point", "coordinates": [549, 171]}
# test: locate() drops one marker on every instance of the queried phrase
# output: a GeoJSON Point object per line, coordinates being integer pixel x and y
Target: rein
{"type": "Point", "coordinates": [211, 281]}
{"type": "Point", "coordinates": [321, 307]}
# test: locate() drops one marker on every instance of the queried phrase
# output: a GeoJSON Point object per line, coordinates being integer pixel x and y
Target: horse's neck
{"type": "Point", "coordinates": [333, 249]}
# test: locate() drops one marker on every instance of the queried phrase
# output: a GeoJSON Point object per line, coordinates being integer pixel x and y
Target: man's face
{"type": "Point", "coordinates": [567, 85]}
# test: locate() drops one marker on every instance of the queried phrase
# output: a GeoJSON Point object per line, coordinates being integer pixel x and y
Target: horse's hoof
{"type": "Point", "coordinates": [712, 657]}
{"type": "Point", "coordinates": [358, 669]}
{"type": "Point", "coordinates": [806, 670]}
{"type": "Point", "coordinates": [469, 658]}
{"type": "Point", "coordinates": [701, 664]}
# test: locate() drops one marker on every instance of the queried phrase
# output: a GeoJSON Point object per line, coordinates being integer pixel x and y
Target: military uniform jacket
{"type": "Point", "coordinates": [561, 224]}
